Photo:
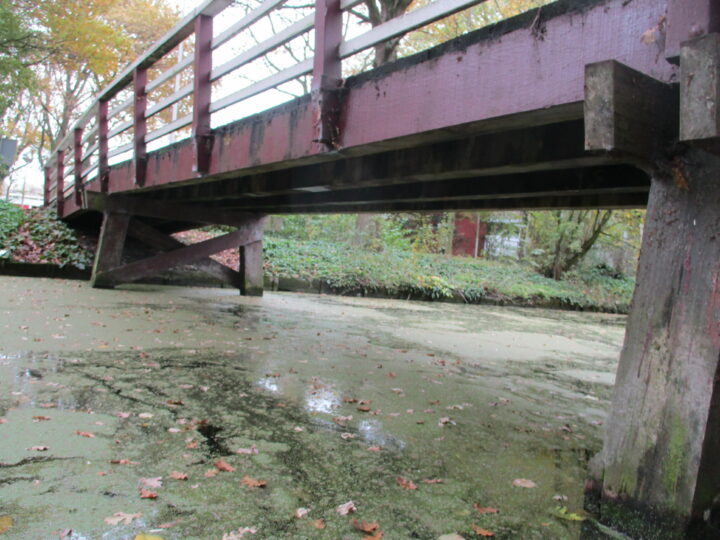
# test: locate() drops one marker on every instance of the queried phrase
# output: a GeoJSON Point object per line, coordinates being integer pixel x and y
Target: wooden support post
{"type": "Point", "coordinates": [60, 183]}
{"type": "Point", "coordinates": [140, 125]}
{"type": "Point", "coordinates": [327, 72]}
{"type": "Point", "coordinates": [627, 111]}
{"type": "Point", "coordinates": [110, 248]}
{"type": "Point", "coordinates": [658, 475]}
{"type": "Point", "coordinates": [202, 90]}
{"type": "Point", "coordinates": [46, 186]}
{"type": "Point", "coordinates": [700, 92]}
{"type": "Point", "coordinates": [77, 154]}
{"type": "Point", "coordinates": [248, 233]}
{"type": "Point", "coordinates": [251, 269]}
{"type": "Point", "coordinates": [103, 166]}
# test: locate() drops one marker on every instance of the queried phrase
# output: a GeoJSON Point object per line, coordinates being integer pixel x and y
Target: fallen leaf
{"type": "Point", "coordinates": [147, 494]}
{"type": "Point", "coordinates": [39, 448]}
{"type": "Point", "coordinates": [345, 509]}
{"type": "Point", "coordinates": [174, 430]}
{"type": "Point", "coordinates": [444, 421]}
{"type": "Point", "coordinates": [211, 472]}
{"type": "Point", "coordinates": [63, 534]}
{"type": "Point", "coordinates": [152, 482]}
{"type": "Point", "coordinates": [236, 535]}
{"type": "Point", "coordinates": [252, 482]}
{"type": "Point", "coordinates": [222, 465]}
{"type": "Point", "coordinates": [40, 418]}
{"type": "Point", "coordinates": [143, 536]}
{"type": "Point", "coordinates": [123, 462]}
{"type": "Point", "coordinates": [405, 483]}
{"type": "Point", "coordinates": [178, 475]}
{"type": "Point", "coordinates": [169, 524]}
{"type": "Point", "coordinates": [482, 532]}
{"type": "Point", "coordinates": [319, 523]}
{"type": "Point", "coordinates": [432, 481]}
{"type": "Point", "coordinates": [5, 523]}
{"type": "Point", "coordinates": [119, 517]}
{"type": "Point", "coordinates": [374, 448]}
{"type": "Point", "coordinates": [485, 509]}
{"type": "Point", "coordinates": [191, 445]}
{"type": "Point", "coordinates": [84, 434]}
{"type": "Point", "coordinates": [365, 526]}
{"type": "Point", "coordinates": [145, 415]}
{"type": "Point", "coordinates": [301, 512]}
{"type": "Point", "coordinates": [341, 420]}
{"type": "Point", "coordinates": [363, 408]}
{"type": "Point", "coordinates": [3, 420]}
{"type": "Point", "coordinates": [247, 451]}
{"type": "Point", "coordinates": [524, 483]}
{"type": "Point", "coordinates": [347, 436]}
{"type": "Point", "coordinates": [376, 536]}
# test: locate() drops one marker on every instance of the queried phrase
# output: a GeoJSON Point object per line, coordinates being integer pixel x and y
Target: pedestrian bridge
{"type": "Point", "coordinates": [578, 104]}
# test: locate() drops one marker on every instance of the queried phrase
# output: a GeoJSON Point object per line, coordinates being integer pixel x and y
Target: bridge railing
{"type": "Point", "coordinates": [191, 81]}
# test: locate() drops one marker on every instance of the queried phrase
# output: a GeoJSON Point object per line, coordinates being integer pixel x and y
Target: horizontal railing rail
{"type": "Point", "coordinates": [132, 111]}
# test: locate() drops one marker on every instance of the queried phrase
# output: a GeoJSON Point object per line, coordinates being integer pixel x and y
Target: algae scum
{"type": "Point", "coordinates": [423, 415]}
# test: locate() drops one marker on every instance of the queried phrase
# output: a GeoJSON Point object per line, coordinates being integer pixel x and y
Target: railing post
{"type": "Point", "coordinates": [202, 134]}
{"type": "Point", "coordinates": [46, 189]}
{"type": "Point", "coordinates": [60, 183]}
{"type": "Point", "coordinates": [77, 150]}
{"type": "Point", "coordinates": [103, 167]}
{"type": "Point", "coordinates": [327, 71]}
{"type": "Point", "coordinates": [140, 124]}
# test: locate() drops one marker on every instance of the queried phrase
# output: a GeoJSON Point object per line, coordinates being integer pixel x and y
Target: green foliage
{"type": "Point", "coordinates": [398, 273]}
{"type": "Point", "coordinates": [11, 217]}
{"type": "Point", "coordinates": [19, 48]}
{"type": "Point", "coordinates": [310, 227]}
{"type": "Point", "coordinates": [38, 236]}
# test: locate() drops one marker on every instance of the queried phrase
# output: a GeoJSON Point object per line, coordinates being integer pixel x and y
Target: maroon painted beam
{"type": "Point", "coordinates": [46, 186]}
{"type": "Point", "coordinates": [140, 126]}
{"type": "Point", "coordinates": [60, 182]}
{"type": "Point", "coordinates": [103, 166]}
{"type": "Point", "coordinates": [77, 169]}
{"type": "Point", "coordinates": [327, 72]}
{"type": "Point", "coordinates": [202, 93]}
{"type": "Point", "coordinates": [686, 20]}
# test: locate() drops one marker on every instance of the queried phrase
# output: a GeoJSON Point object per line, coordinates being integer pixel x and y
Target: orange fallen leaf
{"type": "Point", "coordinates": [39, 448]}
{"type": "Point", "coordinates": [40, 418]}
{"type": "Point", "coordinates": [178, 475]}
{"type": "Point", "coordinates": [222, 465]}
{"type": "Point", "coordinates": [319, 523]}
{"type": "Point", "coordinates": [84, 434]}
{"type": "Point", "coordinates": [376, 536]}
{"type": "Point", "coordinates": [301, 513]}
{"type": "Point", "coordinates": [482, 532]}
{"type": "Point", "coordinates": [211, 472]}
{"type": "Point", "coordinates": [123, 462]}
{"type": "Point", "coordinates": [147, 494]}
{"type": "Point", "coordinates": [252, 482]}
{"type": "Point", "coordinates": [363, 408]}
{"type": "Point", "coordinates": [152, 482]}
{"type": "Point", "coordinates": [433, 481]}
{"type": "Point", "coordinates": [191, 445]}
{"type": "Point", "coordinates": [405, 483]}
{"type": "Point", "coordinates": [365, 526]}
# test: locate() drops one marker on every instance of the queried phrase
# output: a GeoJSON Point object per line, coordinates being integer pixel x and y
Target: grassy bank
{"type": "Point", "coordinates": [347, 270]}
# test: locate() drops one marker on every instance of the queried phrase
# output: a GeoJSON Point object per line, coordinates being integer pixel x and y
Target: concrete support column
{"type": "Point", "coordinates": [251, 269]}
{"type": "Point", "coordinates": [658, 475]}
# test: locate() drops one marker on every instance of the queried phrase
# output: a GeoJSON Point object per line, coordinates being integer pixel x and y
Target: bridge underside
{"type": "Point", "coordinates": [579, 105]}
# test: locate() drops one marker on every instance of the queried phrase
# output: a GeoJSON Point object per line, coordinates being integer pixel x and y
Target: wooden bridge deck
{"type": "Point", "coordinates": [492, 120]}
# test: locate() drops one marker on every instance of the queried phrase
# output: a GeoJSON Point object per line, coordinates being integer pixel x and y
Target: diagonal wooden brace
{"type": "Point", "coordinates": [246, 234]}
{"type": "Point", "coordinates": [158, 240]}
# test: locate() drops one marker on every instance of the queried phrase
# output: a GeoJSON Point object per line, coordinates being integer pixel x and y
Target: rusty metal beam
{"type": "Point", "coordinates": [202, 93]}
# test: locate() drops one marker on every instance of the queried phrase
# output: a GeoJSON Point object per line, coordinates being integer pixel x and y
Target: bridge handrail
{"type": "Point", "coordinates": [85, 149]}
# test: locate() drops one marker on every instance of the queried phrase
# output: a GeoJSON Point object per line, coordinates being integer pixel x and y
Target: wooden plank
{"type": "Point", "coordinates": [251, 269]}
{"type": "Point", "coordinates": [202, 94]}
{"type": "Point", "coordinates": [110, 247]}
{"type": "Point", "coordinates": [140, 126]}
{"type": "Point", "coordinates": [77, 165]}
{"type": "Point", "coordinates": [248, 233]}
{"type": "Point", "coordinates": [700, 92]}
{"type": "Point", "coordinates": [103, 165]}
{"type": "Point", "coordinates": [686, 20]}
{"type": "Point", "coordinates": [628, 111]}
{"type": "Point", "coordinates": [158, 240]}
{"type": "Point", "coordinates": [327, 73]}
{"type": "Point", "coordinates": [60, 182]}
{"type": "Point", "coordinates": [169, 211]}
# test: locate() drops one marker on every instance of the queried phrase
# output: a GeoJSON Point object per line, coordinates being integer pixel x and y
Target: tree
{"type": "Point", "coordinates": [87, 42]}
